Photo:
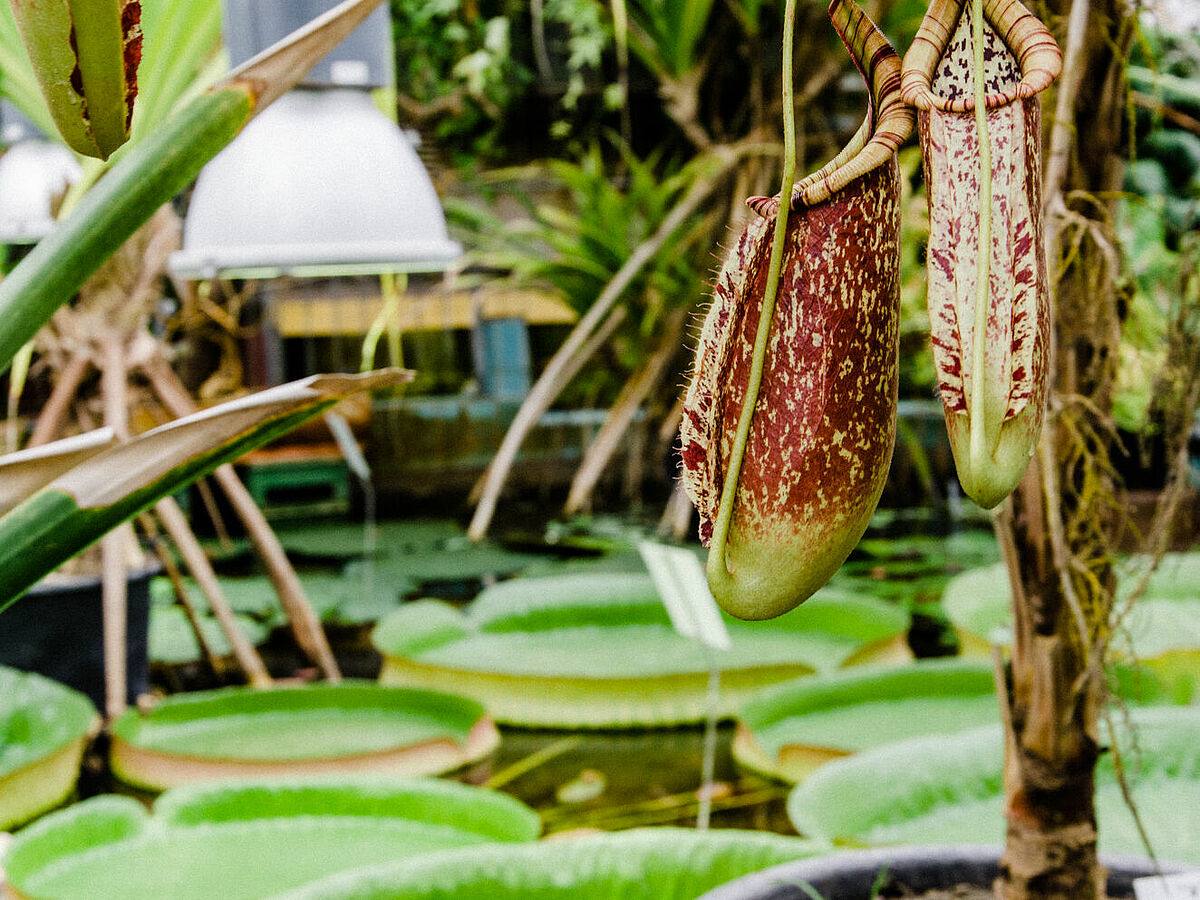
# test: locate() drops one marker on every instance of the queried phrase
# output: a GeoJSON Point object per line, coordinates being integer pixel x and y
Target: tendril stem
{"type": "Point", "coordinates": [978, 442]}
{"type": "Point", "coordinates": [717, 569]}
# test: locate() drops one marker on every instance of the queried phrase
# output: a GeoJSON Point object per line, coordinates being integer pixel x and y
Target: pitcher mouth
{"type": "Point", "coordinates": [887, 125]}
{"type": "Point", "coordinates": [1023, 35]}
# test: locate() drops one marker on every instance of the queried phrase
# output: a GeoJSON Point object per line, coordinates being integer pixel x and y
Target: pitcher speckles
{"type": "Point", "coordinates": [823, 426]}
{"type": "Point", "coordinates": [992, 379]}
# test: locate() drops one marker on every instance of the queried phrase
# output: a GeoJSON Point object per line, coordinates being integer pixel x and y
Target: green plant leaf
{"type": "Point", "coordinates": [250, 840]}
{"type": "Point", "coordinates": [1156, 651]}
{"type": "Point", "coordinates": [152, 173]}
{"type": "Point", "coordinates": [24, 472]}
{"type": "Point", "coordinates": [43, 728]}
{"type": "Point", "coordinates": [346, 541]}
{"type": "Point", "coordinates": [639, 864]}
{"type": "Point", "coordinates": [791, 729]}
{"type": "Point", "coordinates": [941, 789]}
{"type": "Point", "coordinates": [80, 505]}
{"type": "Point", "coordinates": [172, 640]}
{"type": "Point", "coordinates": [596, 649]}
{"type": "Point", "coordinates": [351, 725]}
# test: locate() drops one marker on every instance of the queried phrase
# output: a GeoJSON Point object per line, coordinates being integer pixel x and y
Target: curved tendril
{"type": "Point", "coordinates": [978, 445]}
{"type": "Point", "coordinates": [716, 555]}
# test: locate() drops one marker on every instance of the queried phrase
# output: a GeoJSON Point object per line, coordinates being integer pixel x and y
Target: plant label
{"type": "Point", "coordinates": [1184, 886]}
{"type": "Point", "coordinates": [683, 587]}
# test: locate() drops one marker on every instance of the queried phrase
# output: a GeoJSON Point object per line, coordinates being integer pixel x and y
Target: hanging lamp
{"type": "Point", "coordinates": [322, 183]}
{"type": "Point", "coordinates": [35, 172]}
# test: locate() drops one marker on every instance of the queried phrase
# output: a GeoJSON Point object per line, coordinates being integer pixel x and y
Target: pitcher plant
{"type": "Point", "coordinates": [975, 81]}
{"type": "Point", "coordinates": [789, 419]}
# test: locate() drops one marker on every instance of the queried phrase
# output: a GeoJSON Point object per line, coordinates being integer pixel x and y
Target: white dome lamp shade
{"type": "Point", "coordinates": [320, 184]}
{"type": "Point", "coordinates": [34, 174]}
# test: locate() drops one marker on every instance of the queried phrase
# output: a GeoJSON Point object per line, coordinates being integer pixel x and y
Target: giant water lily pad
{"type": "Point", "coordinates": [44, 728]}
{"type": "Point", "coordinates": [172, 639]}
{"type": "Point", "coordinates": [355, 597]}
{"type": "Point", "coordinates": [640, 864]}
{"type": "Point", "coordinates": [598, 650]}
{"type": "Point", "coordinates": [244, 841]}
{"type": "Point", "coordinates": [350, 726]}
{"type": "Point", "coordinates": [349, 540]}
{"type": "Point", "coordinates": [948, 789]}
{"type": "Point", "coordinates": [789, 730]}
{"type": "Point", "coordinates": [455, 560]}
{"type": "Point", "coordinates": [1161, 633]}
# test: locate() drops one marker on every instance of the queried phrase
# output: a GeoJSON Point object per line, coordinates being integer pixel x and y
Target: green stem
{"type": "Point", "coordinates": [978, 443]}
{"type": "Point", "coordinates": [718, 572]}
{"type": "Point", "coordinates": [391, 286]}
{"type": "Point", "coordinates": [146, 177]}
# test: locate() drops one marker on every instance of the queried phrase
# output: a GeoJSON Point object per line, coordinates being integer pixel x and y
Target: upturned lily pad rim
{"type": "Point", "coordinates": [41, 773]}
{"type": "Point", "coordinates": [582, 867]}
{"type": "Point", "coordinates": [840, 691]}
{"type": "Point", "coordinates": [881, 786]}
{"type": "Point", "coordinates": [602, 689]}
{"type": "Point", "coordinates": [97, 831]}
{"type": "Point", "coordinates": [74, 718]}
{"type": "Point", "coordinates": [469, 735]}
{"type": "Point", "coordinates": [843, 686]}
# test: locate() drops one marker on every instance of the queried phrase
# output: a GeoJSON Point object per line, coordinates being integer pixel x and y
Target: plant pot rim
{"type": "Point", "coordinates": [850, 873]}
{"type": "Point", "coordinates": [57, 581]}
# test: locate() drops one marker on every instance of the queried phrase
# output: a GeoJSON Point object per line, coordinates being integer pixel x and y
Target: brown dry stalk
{"type": "Point", "coordinates": [306, 627]}
{"type": "Point", "coordinates": [621, 415]}
{"type": "Point", "coordinates": [550, 383]}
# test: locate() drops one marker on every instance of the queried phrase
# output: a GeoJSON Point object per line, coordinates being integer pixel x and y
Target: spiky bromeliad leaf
{"type": "Point", "coordinates": [78, 506]}
{"type": "Point", "coordinates": [154, 171]}
{"type": "Point", "coordinates": [85, 55]}
{"type": "Point", "coordinates": [824, 422]}
{"type": "Point", "coordinates": [990, 355]}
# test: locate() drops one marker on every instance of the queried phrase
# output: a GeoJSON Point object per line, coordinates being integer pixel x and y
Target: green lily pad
{"type": "Point", "coordinates": [455, 560]}
{"type": "Point", "coordinates": [639, 864]}
{"type": "Point", "coordinates": [909, 570]}
{"type": "Point", "coordinates": [966, 548]}
{"type": "Point", "coordinates": [948, 788]}
{"type": "Point", "coordinates": [598, 650]}
{"type": "Point", "coordinates": [354, 597]}
{"type": "Point", "coordinates": [349, 540]}
{"type": "Point", "coordinates": [1161, 634]}
{"type": "Point", "coordinates": [788, 731]}
{"type": "Point", "coordinates": [250, 840]}
{"type": "Point", "coordinates": [44, 728]}
{"type": "Point", "coordinates": [349, 726]}
{"type": "Point", "coordinates": [173, 640]}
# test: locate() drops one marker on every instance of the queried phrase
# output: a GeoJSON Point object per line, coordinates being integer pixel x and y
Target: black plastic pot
{"type": "Point", "coordinates": [57, 630]}
{"type": "Point", "coordinates": [852, 875]}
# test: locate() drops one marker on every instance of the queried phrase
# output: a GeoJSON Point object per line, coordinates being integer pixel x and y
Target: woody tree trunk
{"type": "Point", "coordinates": [1058, 530]}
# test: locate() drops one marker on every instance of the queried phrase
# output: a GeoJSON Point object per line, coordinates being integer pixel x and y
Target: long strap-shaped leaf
{"type": "Point", "coordinates": [79, 506]}
{"type": "Point", "coordinates": [1023, 34]}
{"type": "Point", "coordinates": [23, 473]}
{"type": "Point", "coordinates": [153, 172]}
